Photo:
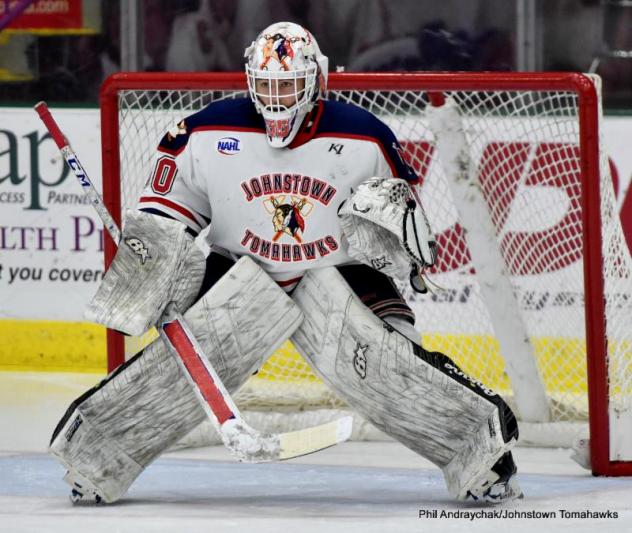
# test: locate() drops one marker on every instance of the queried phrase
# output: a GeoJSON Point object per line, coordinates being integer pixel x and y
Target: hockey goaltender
{"type": "Point", "coordinates": [312, 212]}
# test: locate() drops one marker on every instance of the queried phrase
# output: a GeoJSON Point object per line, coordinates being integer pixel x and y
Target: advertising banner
{"type": "Point", "coordinates": [51, 242]}
{"type": "Point", "coordinates": [46, 14]}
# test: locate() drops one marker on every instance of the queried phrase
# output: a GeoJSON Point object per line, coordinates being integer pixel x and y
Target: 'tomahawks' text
{"type": "Point", "coordinates": [289, 252]}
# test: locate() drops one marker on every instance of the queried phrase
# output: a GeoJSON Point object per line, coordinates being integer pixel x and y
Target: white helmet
{"type": "Point", "coordinates": [285, 52]}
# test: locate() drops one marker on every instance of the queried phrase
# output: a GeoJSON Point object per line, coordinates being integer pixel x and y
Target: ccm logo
{"type": "Point", "coordinates": [228, 146]}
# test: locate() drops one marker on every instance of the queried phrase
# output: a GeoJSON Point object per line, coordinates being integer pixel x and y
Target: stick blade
{"type": "Point", "coordinates": [313, 439]}
{"type": "Point", "coordinates": [248, 445]}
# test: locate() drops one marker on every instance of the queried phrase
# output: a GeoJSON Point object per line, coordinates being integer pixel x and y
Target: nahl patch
{"type": "Point", "coordinates": [228, 146]}
{"type": "Point", "coordinates": [359, 359]}
{"type": "Point", "coordinates": [139, 248]}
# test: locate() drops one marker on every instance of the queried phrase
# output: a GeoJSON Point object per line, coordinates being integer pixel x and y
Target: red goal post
{"type": "Point", "coordinates": [525, 135]}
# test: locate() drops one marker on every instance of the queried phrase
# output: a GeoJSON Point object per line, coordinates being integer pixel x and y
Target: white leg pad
{"type": "Point", "coordinates": [420, 398]}
{"type": "Point", "coordinates": [111, 433]}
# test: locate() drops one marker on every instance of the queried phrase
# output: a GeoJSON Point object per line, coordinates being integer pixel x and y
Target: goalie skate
{"type": "Point", "coordinates": [499, 484]}
{"type": "Point", "coordinates": [82, 490]}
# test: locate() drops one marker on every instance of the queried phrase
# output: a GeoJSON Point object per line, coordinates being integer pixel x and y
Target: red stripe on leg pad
{"type": "Point", "coordinates": [197, 369]}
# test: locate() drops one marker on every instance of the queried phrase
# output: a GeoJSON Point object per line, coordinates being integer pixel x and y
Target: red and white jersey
{"type": "Point", "coordinates": [278, 205]}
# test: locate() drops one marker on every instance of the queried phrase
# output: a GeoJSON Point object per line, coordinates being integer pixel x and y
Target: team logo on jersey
{"type": "Point", "coordinates": [288, 217]}
{"type": "Point", "coordinates": [228, 146]}
{"type": "Point", "coordinates": [288, 199]}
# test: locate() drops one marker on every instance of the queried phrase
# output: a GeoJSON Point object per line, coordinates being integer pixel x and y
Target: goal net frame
{"type": "Point", "coordinates": [435, 85]}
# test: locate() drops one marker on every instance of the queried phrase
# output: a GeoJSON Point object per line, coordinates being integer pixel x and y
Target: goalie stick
{"type": "Point", "coordinates": [244, 442]}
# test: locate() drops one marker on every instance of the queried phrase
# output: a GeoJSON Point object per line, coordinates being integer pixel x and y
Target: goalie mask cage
{"type": "Point", "coordinates": [533, 281]}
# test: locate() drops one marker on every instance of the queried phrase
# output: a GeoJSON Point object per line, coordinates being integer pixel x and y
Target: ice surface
{"type": "Point", "coordinates": [356, 486]}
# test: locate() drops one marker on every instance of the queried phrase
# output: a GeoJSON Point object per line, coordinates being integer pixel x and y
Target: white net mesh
{"type": "Point", "coordinates": [523, 151]}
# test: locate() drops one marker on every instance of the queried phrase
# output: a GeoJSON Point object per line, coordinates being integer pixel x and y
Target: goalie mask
{"type": "Point", "coordinates": [287, 74]}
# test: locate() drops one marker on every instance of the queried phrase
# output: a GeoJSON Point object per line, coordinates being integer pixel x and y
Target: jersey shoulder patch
{"type": "Point", "coordinates": [238, 114]}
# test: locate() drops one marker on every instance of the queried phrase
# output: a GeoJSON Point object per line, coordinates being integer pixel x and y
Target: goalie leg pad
{"type": "Point", "coordinates": [112, 432]}
{"type": "Point", "coordinates": [420, 398]}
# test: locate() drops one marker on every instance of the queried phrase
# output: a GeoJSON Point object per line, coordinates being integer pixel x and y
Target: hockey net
{"type": "Point", "coordinates": [533, 277]}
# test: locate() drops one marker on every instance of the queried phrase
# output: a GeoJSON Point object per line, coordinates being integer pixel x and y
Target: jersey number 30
{"type": "Point", "coordinates": [164, 175]}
